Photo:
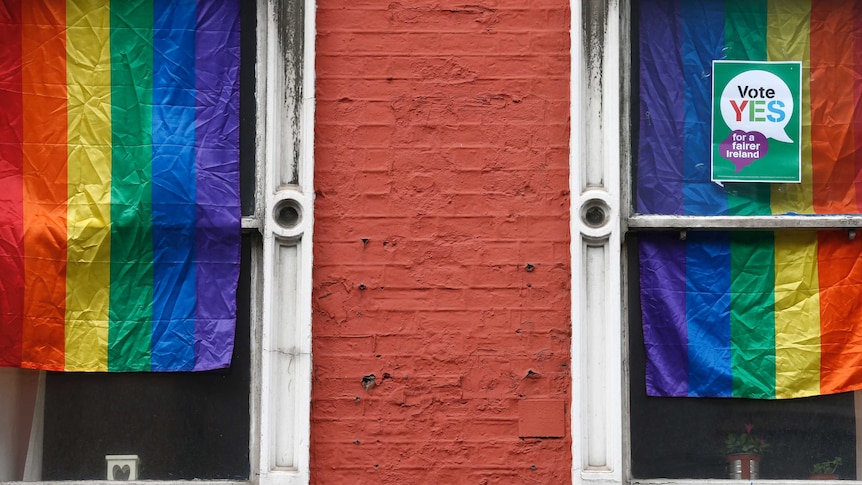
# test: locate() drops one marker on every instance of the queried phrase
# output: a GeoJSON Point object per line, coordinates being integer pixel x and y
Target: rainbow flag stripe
{"type": "Point", "coordinates": [119, 185]}
{"type": "Point", "coordinates": [766, 315]}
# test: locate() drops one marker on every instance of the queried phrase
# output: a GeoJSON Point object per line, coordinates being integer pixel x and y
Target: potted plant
{"type": "Point", "coordinates": [743, 452]}
{"type": "Point", "coordinates": [825, 470]}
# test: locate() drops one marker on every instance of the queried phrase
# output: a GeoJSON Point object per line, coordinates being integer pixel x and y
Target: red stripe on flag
{"type": "Point", "coordinates": [857, 94]}
{"type": "Point", "coordinates": [11, 206]}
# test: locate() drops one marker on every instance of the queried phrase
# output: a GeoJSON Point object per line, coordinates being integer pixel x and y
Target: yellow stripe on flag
{"type": "Point", "coordinates": [789, 41]}
{"type": "Point", "coordinates": [797, 315]}
{"type": "Point", "coordinates": [89, 213]}
{"type": "Point", "coordinates": [797, 301]}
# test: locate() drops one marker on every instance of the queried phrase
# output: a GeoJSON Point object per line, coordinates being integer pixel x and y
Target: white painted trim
{"type": "Point", "coordinates": [285, 346]}
{"type": "Point", "coordinates": [756, 223]}
{"type": "Point", "coordinates": [594, 161]}
{"type": "Point", "coordinates": [576, 153]}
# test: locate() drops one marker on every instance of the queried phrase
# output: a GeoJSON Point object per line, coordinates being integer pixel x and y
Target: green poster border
{"type": "Point", "coordinates": [716, 118]}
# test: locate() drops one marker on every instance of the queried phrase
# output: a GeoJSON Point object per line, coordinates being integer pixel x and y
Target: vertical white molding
{"type": "Point", "coordinates": [19, 411]}
{"type": "Point", "coordinates": [595, 337]}
{"type": "Point", "coordinates": [595, 150]}
{"type": "Point", "coordinates": [286, 64]}
{"type": "Point", "coordinates": [284, 357]}
{"type": "Point", "coordinates": [33, 463]}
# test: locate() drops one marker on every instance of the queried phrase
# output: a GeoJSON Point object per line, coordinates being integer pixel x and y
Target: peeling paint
{"type": "Point", "coordinates": [289, 21]}
{"type": "Point", "coordinates": [595, 21]}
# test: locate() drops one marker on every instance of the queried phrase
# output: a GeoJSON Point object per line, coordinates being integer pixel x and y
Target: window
{"type": "Point", "coordinates": [620, 434]}
{"type": "Point", "coordinates": [247, 421]}
{"type": "Point", "coordinates": [740, 306]}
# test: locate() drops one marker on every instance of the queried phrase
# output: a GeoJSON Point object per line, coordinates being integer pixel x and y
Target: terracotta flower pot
{"type": "Point", "coordinates": [823, 476]}
{"type": "Point", "coordinates": [743, 466]}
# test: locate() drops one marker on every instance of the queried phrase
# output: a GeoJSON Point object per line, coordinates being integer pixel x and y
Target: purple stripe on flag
{"type": "Point", "coordinates": [217, 165]}
{"type": "Point", "coordinates": [663, 296]}
{"type": "Point", "coordinates": [660, 148]}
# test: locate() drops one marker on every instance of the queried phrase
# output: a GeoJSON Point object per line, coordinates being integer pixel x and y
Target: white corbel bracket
{"type": "Point", "coordinates": [289, 214]}
{"type": "Point", "coordinates": [596, 213]}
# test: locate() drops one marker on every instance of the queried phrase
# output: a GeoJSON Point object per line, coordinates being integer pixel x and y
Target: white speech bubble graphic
{"type": "Point", "coordinates": [763, 91]}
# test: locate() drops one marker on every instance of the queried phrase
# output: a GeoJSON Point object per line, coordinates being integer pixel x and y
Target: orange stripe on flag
{"type": "Point", "coordinates": [840, 274]}
{"type": "Point", "coordinates": [832, 107]}
{"type": "Point", "coordinates": [45, 186]}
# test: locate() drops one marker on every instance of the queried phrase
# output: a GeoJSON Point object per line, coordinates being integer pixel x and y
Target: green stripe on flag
{"type": "Point", "coordinates": [131, 299]}
{"type": "Point", "coordinates": [752, 314]}
{"type": "Point", "coordinates": [752, 323]}
{"type": "Point", "coordinates": [745, 40]}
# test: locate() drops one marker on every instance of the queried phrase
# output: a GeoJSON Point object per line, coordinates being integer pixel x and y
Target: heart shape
{"type": "Point", "coordinates": [122, 472]}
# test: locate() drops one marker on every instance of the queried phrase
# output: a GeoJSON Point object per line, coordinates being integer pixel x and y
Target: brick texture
{"type": "Point", "coordinates": [441, 251]}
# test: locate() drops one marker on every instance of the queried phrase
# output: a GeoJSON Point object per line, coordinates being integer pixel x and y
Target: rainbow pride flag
{"type": "Point", "coordinates": [119, 205]}
{"type": "Point", "coordinates": [767, 315]}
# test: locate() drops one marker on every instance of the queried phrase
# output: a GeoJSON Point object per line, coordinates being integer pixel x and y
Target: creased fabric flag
{"type": "Point", "coordinates": [765, 315]}
{"type": "Point", "coordinates": [119, 185]}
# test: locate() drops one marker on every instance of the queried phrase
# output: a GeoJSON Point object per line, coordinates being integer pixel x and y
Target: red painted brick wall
{"type": "Point", "coordinates": [441, 257]}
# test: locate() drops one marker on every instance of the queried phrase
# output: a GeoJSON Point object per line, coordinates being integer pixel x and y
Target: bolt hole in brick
{"type": "Point", "coordinates": [369, 381]}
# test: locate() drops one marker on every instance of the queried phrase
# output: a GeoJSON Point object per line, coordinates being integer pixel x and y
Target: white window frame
{"type": "Point", "coordinates": [600, 176]}
{"type": "Point", "coordinates": [280, 392]}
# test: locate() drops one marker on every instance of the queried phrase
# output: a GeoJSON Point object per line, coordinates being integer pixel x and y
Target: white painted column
{"type": "Point", "coordinates": [285, 90]}
{"type": "Point", "coordinates": [597, 300]}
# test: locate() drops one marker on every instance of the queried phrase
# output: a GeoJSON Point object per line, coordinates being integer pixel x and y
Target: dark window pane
{"type": "Point", "coordinates": [182, 425]}
{"type": "Point", "coordinates": [247, 111]}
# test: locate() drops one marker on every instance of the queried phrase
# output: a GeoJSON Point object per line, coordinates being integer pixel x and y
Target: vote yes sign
{"type": "Point", "coordinates": [756, 121]}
